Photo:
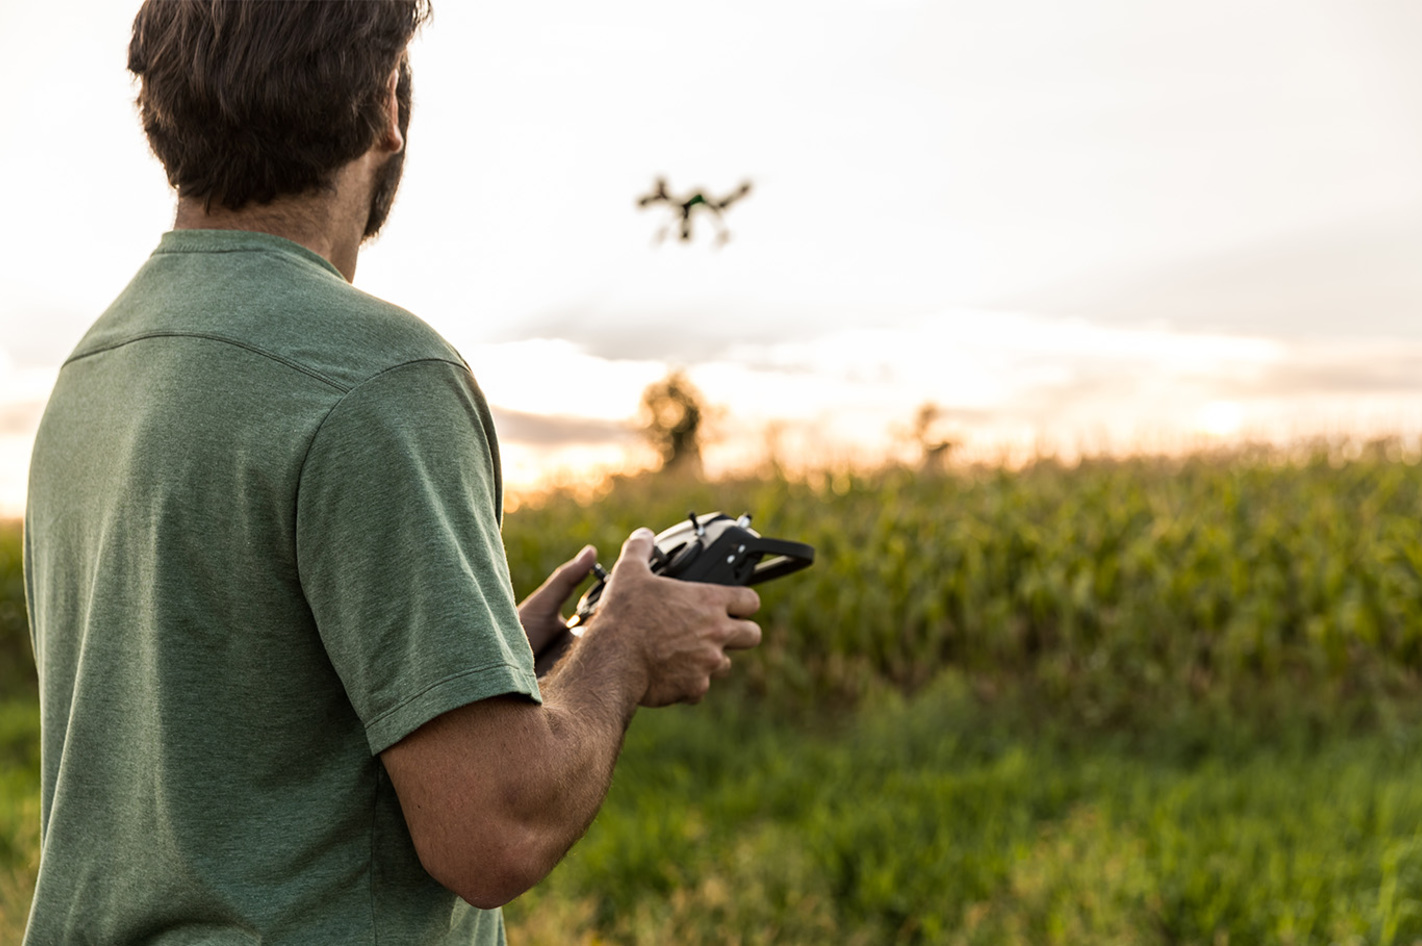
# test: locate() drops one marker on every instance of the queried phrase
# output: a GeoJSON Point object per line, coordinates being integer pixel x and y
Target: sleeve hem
{"type": "Point", "coordinates": [450, 693]}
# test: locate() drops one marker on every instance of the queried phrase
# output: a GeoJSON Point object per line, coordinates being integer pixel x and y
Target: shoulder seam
{"type": "Point", "coordinates": [212, 336]}
{"type": "Point", "coordinates": [347, 392]}
{"type": "Point", "coordinates": [257, 350]}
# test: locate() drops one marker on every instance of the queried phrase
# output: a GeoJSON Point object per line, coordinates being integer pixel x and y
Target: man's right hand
{"type": "Point", "coordinates": [677, 633]}
{"type": "Point", "coordinates": [495, 792]}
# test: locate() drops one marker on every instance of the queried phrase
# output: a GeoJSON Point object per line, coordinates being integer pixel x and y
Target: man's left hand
{"type": "Point", "coordinates": [541, 612]}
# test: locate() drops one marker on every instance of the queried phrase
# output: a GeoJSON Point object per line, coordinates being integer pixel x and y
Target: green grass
{"type": "Point", "coordinates": [19, 813]}
{"type": "Point", "coordinates": [936, 820]}
{"type": "Point", "coordinates": [944, 819]}
{"type": "Point", "coordinates": [17, 662]}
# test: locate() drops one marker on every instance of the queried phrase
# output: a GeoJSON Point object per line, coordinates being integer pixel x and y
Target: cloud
{"type": "Point", "coordinates": [24, 391]}
{"type": "Point", "coordinates": [703, 325]}
{"type": "Point", "coordinates": [559, 430]}
{"type": "Point", "coordinates": [1356, 369]}
{"type": "Point", "coordinates": [1358, 281]}
{"type": "Point", "coordinates": [691, 335]}
{"type": "Point", "coordinates": [995, 376]}
{"type": "Point", "coordinates": [20, 418]}
{"type": "Point", "coordinates": [37, 334]}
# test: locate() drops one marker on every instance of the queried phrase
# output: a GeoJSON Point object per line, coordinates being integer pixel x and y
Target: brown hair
{"type": "Point", "coordinates": [249, 100]}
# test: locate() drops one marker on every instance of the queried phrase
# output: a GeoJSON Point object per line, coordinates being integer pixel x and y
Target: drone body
{"type": "Point", "coordinates": [683, 209]}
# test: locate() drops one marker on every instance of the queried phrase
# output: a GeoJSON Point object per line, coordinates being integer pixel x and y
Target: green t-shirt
{"type": "Point", "coordinates": [262, 545]}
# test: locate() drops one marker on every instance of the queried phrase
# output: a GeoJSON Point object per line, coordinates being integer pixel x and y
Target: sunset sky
{"type": "Point", "coordinates": [1077, 225]}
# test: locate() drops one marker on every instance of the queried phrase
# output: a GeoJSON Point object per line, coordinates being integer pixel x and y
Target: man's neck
{"type": "Point", "coordinates": [329, 223]}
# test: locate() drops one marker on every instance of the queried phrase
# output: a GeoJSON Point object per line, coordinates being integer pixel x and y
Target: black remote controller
{"type": "Point", "coordinates": [711, 548]}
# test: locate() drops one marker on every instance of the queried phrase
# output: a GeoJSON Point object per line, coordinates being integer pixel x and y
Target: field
{"type": "Point", "coordinates": [1142, 701]}
{"type": "Point", "coordinates": [928, 821]}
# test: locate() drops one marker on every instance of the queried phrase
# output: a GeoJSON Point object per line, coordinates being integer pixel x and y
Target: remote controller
{"type": "Point", "coordinates": [711, 548]}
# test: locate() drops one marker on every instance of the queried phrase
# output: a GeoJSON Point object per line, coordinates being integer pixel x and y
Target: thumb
{"type": "Point", "coordinates": [636, 551]}
{"type": "Point", "coordinates": [567, 576]}
{"type": "Point", "coordinates": [558, 586]}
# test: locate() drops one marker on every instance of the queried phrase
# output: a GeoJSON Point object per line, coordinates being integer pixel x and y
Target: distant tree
{"type": "Point", "coordinates": [934, 448]}
{"type": "Point", "coordinates": [672, 415]}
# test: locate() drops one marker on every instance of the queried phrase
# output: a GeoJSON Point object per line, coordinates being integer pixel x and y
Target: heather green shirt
{"type": "Point", "coordinates": [262, 545]}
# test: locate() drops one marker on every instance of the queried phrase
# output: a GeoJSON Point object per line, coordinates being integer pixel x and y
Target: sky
{"type": "Point", "coordinates": [1074, 226]}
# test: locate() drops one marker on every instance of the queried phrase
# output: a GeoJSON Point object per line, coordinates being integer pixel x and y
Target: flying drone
{"type": "Point", "coordinates": [682, 209]}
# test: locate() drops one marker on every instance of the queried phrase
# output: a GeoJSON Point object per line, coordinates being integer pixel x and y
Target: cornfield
{"type": "Point", "coordinates": [1097, 583]}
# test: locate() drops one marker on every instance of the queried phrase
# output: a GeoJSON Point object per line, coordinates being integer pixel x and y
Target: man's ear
{"type": "Point", "coordinates": [392, 141]}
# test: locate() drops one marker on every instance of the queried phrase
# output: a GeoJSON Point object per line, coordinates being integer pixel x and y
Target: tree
{"type": "Point", "coordinates": [933, 446]}
{"type": "Point", "coordinates": [672, 414]}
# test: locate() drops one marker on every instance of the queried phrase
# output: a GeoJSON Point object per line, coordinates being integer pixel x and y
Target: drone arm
{"type": "Point", "coordinates": [734, 196]}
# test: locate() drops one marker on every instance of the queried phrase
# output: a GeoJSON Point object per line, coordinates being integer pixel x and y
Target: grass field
{"type": "Point", "coordinates": [1148, 701]}
{"type": "Point", "coordinates": [19, 813]}
{"type": "Point", "coordinates": [929, 821]}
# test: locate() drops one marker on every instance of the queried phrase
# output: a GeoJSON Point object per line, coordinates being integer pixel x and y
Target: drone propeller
{"type": "Point", "coordinates": [658, 194]}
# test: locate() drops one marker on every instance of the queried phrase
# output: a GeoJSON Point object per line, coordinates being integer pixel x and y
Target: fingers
{"type": "Point", "coordinates": [742, 635]}
{"type": "Point", "coordinates": [680, 633]}
{"type": "Point", "coordinates": [743, 602]}
{"type": "Point", "coordinates": [690, 680]}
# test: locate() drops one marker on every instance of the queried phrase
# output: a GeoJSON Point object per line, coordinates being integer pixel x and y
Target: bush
{"type": "Point", "coordinates": [17, 657]}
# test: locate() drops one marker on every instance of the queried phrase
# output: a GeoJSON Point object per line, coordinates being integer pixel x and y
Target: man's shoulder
{"type": "Point", "coordinates": [265, 295]}
{"type": "Point", "coordinates": [352, 336]}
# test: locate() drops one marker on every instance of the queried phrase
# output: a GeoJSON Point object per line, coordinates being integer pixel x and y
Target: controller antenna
{"type": "Point", "coordinates": [696, 524]}
{"type": "Point", "coordinates": [744, 520]}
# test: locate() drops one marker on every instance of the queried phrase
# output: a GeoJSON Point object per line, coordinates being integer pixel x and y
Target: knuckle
{"type": "Point", "coordinates": [704, 594]}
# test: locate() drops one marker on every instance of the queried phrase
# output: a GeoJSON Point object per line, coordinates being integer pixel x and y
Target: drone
{"type": "Point", "coordinates": [683, 209]}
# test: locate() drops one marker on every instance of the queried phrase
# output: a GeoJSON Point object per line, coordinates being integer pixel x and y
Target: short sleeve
{"type": "Point", "coordinates": [400, 554]}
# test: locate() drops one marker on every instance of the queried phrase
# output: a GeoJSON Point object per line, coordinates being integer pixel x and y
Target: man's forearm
{"type": "Point", "coordinates": [588, 701]}
{"type": "Point", "coordinates": [506, 787]}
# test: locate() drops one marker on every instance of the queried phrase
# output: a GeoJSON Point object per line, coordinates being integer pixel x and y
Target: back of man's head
{"type": "Point", "coordinates": [245, 101]}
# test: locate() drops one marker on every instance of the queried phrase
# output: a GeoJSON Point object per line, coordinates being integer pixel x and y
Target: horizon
{"type": "Point", "coordinates": [832, 473]}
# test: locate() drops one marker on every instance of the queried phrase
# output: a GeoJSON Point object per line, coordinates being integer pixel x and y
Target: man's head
{"type": "Point", "coordinates": [246, 101]}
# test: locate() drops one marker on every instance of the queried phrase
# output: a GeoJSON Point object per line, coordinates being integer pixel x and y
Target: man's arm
{"type": "Point", "coordinates": [496, 792]}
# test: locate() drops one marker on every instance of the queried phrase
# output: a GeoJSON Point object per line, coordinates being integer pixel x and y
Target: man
{"type": "Point", "coordinates": [287, 696]}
